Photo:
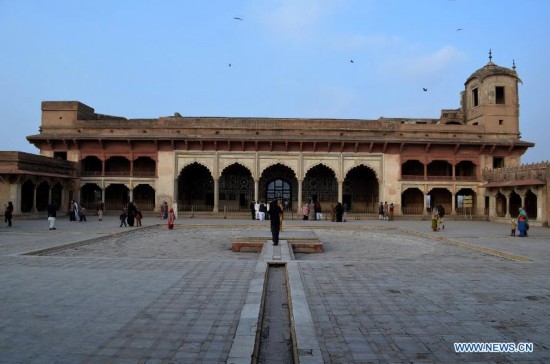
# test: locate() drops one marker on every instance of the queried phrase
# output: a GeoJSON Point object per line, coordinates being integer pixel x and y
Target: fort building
{"type": "Point", "coordinates": [219, 165]}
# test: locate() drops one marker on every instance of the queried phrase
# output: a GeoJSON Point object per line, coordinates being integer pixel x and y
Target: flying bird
{"type": "Point", "coordinates": [229, 64]}
{"type": "Point", "coordinates": [459, 29]}
{"type": "Point", "coordinates": [425, 89]}
{"type": "Point", "coordinates": [237, 18]}
{"type": "Point", "coordinates": [351, 60]}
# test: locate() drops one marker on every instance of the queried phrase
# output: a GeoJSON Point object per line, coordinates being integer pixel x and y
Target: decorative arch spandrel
{"type": "Point", "coordinates": [207, 163]}
{"type": "Point", "coordinates": [266, 163]}
{"type": "Point", "coordinates": [332, 165]}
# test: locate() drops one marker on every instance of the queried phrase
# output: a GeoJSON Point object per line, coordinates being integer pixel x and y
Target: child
{"type": "Point", "coordinates": [82, 213]}
{"type": "Point", "coordinates": [123, 216]}
{"type": "Point", "coordinates": [138, 217]}
{"type": "Point", "coordinates": [513, 223]}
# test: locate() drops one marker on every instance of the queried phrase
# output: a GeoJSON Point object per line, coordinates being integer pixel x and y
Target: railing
{"type": "Point", "coordinates": [144, 173]}
{"type": "Point", "coordinates": [411, 177]}
{"type": "Point", "coordinates": [91, 173]}
{"type": "Point", "coordinates": [117, 173]}
{"type": "Point", "coordinates": [412, 210]}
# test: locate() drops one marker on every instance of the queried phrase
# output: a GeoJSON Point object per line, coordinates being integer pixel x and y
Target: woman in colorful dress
{"type": "Point", "coordinates": [171, 218]}
{"type": "Point", "coordinates": [523, 222]}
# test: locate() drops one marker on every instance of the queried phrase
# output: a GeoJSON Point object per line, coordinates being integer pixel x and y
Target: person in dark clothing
{"type": "Point", "coordinates": [52, 214]}
{"type": "Point", "coordinates": [252, 210]}
{"type": "Point", "coordinates": [8, 213]}
{"type": "Point", "coordinates": [275, 218]}
{"type": "Point", "coordinates": [339, 210]}
{"type": "Point", "coordinates": [131, 213]}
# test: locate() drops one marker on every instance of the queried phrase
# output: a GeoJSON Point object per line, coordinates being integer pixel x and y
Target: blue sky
{"type": "Point", "coordinates": [289, 58]}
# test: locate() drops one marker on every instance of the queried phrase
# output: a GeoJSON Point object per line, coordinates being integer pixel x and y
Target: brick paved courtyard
{"type": "Point", "coordinates": [381, 292]}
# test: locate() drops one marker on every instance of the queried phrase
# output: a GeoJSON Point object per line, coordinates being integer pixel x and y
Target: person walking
{"type": "Point", "coordinates": [262, 210]}
{"type": "Point", "coordinates": [122, 217]}
{"type": "Point", "coordinates": [52, 214]}
{"type": "Point", "coordinates": [252, 210]}
{"type": "Point", "coordinates": [391, 211]}
{"type": "Point", "coordinates": [523, 223]}
{"type": "Point", "coordinates": [8, 213]}
{"type": "Point", "coordinates": [100, 206]}
{"type": "Point", "coordinates": [381, 211]}
{"type": "Point", "coordinates": [275, 218]}
{"type": "Point", "coordinates": [435, 217]}
{"type": "Point", "coordinates": [82, 214]}
{"type": "Point", "coordinates": [339, 212]}
{"type": "Point", "coordinates": [311, 207]}
{"type": "Point", "coordinates": [318, 211]}
{"type": "Point", "coordinates": [171, 218]}
{"type": "Point", "coordinates": [305, 211]}
{"type": "Point", "coordinates": [138, 216]}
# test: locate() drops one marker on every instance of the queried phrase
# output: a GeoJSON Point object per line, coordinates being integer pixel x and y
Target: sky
{"type": "Point", "coordinates": [281, 58]}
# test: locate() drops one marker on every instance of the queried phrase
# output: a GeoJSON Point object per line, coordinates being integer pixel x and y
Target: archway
{"type": "Point", "coordinates": [412, 170]}
{"type": "Point", "coordinates": [361, 190]}
{"type": "Point", "coordinates": [320, 184]}
{"type": "Point", "coordinates": [144, 197]}
{"type": "Point", "coordinates": [465, 170]}
{"type": "Point", "coordinates": [279, 181]}
{"type": "Point", "coordinates": [195, 188]}
{"type": "Point", "coordinates": [500, 204]}
{"type": "Point", "coordinates": [438, 169]}
{"type": "Point", "coordinates": [412, 202]}
{"type": "Point", "coordinates": [42, 196]}
{"type": "Point", "coordinates": [57, 194]}
{"type": "Point", "coordinates": [91, 166]}
{"type": "Point", "coordinates": [116, 197]}
{"type": "Point", "coordinates": [90, 194]}
{"type": "Point", "coordinates": [144, 167]}
{"type": "Point", "coordinates": [27, 196]}
{"type": "Point", "coordinates": [531, 205]}
{"type": "Point", "coordinates": [117, 166]}
{"type": "Point", "coordinates": [515, 204]}
{"type": "Point", "coordinates": [440, 196]}
{"type": "Point", "coordinates": [236, 187]}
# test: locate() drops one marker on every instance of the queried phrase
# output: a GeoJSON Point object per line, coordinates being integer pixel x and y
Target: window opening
{"type": "Point", "coordinates": [499, 95]}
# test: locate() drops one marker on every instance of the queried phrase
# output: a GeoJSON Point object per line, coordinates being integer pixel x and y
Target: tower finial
{"type": "Point", "coordinates": [490, 56]}
{"type": "Point", "coordinates": [514, 64]}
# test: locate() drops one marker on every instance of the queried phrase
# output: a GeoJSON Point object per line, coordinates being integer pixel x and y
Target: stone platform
{"type": "Point", "coordinates": [300, 241]}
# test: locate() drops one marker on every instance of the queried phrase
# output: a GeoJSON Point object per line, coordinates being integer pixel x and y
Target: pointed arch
{"type": "Point", "coordinates": [195, 188]}
{"type": "Point", "coordinates": [320, 185]}
{"type": "Point", "coordinates": [236, 187]}
{"type": "Point", "coordinates": [361, 189]}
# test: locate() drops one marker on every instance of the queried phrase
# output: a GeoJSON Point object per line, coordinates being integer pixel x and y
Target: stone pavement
{"type": "Point", "coordinates": [381, 291]}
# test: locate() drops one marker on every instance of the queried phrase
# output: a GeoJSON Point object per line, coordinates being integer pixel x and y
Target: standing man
{"type": "Point", "coordinates": [275, 218]}
{"type": "Point", "coordinates": [52, 214]}
{"type": "Point", "coordinates": [252, 210]}
{"type": "Point", "coordinates": [100, 206]}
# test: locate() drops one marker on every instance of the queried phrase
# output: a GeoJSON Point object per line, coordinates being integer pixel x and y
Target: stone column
{"type": "Point", "coordinates": [300, 200]}
{"type": "Point", "coordinates": [34, 198]}
{"type": "Point", "coordinates": [216, 195]}
{"type": "Point", "coordinates": [103, 195]}
{"type": "Point", "coordinates": [131, 194]}
{"type": "Point", "coordinates": [340, 191]}
{"type": "Point", "coordinates": [453, 203]}
{"type": "Point", "coordinates": [256, 189]}
{"type": "Point", "coordinates": [492, 204]}
{"type": "Point", "coordinates": [507, 195]}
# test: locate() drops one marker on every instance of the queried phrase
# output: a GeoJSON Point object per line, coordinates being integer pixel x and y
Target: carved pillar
{"type": "Point", "coordinates": [492, 204]}
{"type": "Point", "coordinates": [425, 205]}
{"type": "Point", "coordinates": [34, 192]}
{"type": "Point", "coordinates": [103, 195]}
{"type": "Point", "coordinates": [300, 200]}
{"type": "Point", "coordinates": [340, 190]}
{"type": "Point", "coordinates": [508, 195]}
{"type": "Point", "coordinates": [216, 195]}
{"type": "Point", "coordinates": [131, 194]}
{"type": "Point", "coordinates": [453, 203]}
{"type": "Point", "coordinates": [256, 189]}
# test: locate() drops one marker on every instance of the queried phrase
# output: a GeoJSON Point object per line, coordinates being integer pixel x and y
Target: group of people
{"type": "Point", "coordinates": [438, 213]}
{"type": "Point", "coordinates": [313, 211]}
{"type": "Point", "coordinates": [130, 214]}
{"type": "Point", "coordinates": [385, 211]}
{"type": "Point", "coordinates": [262, 211]}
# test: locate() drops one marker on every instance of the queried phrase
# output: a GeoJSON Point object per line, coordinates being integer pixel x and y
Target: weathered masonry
{"type": "Point", "coordinates": [217, 164]}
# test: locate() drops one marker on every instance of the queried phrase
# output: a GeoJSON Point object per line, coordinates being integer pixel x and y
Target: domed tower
{"type": "Point", "coordinates": [491, 99]}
